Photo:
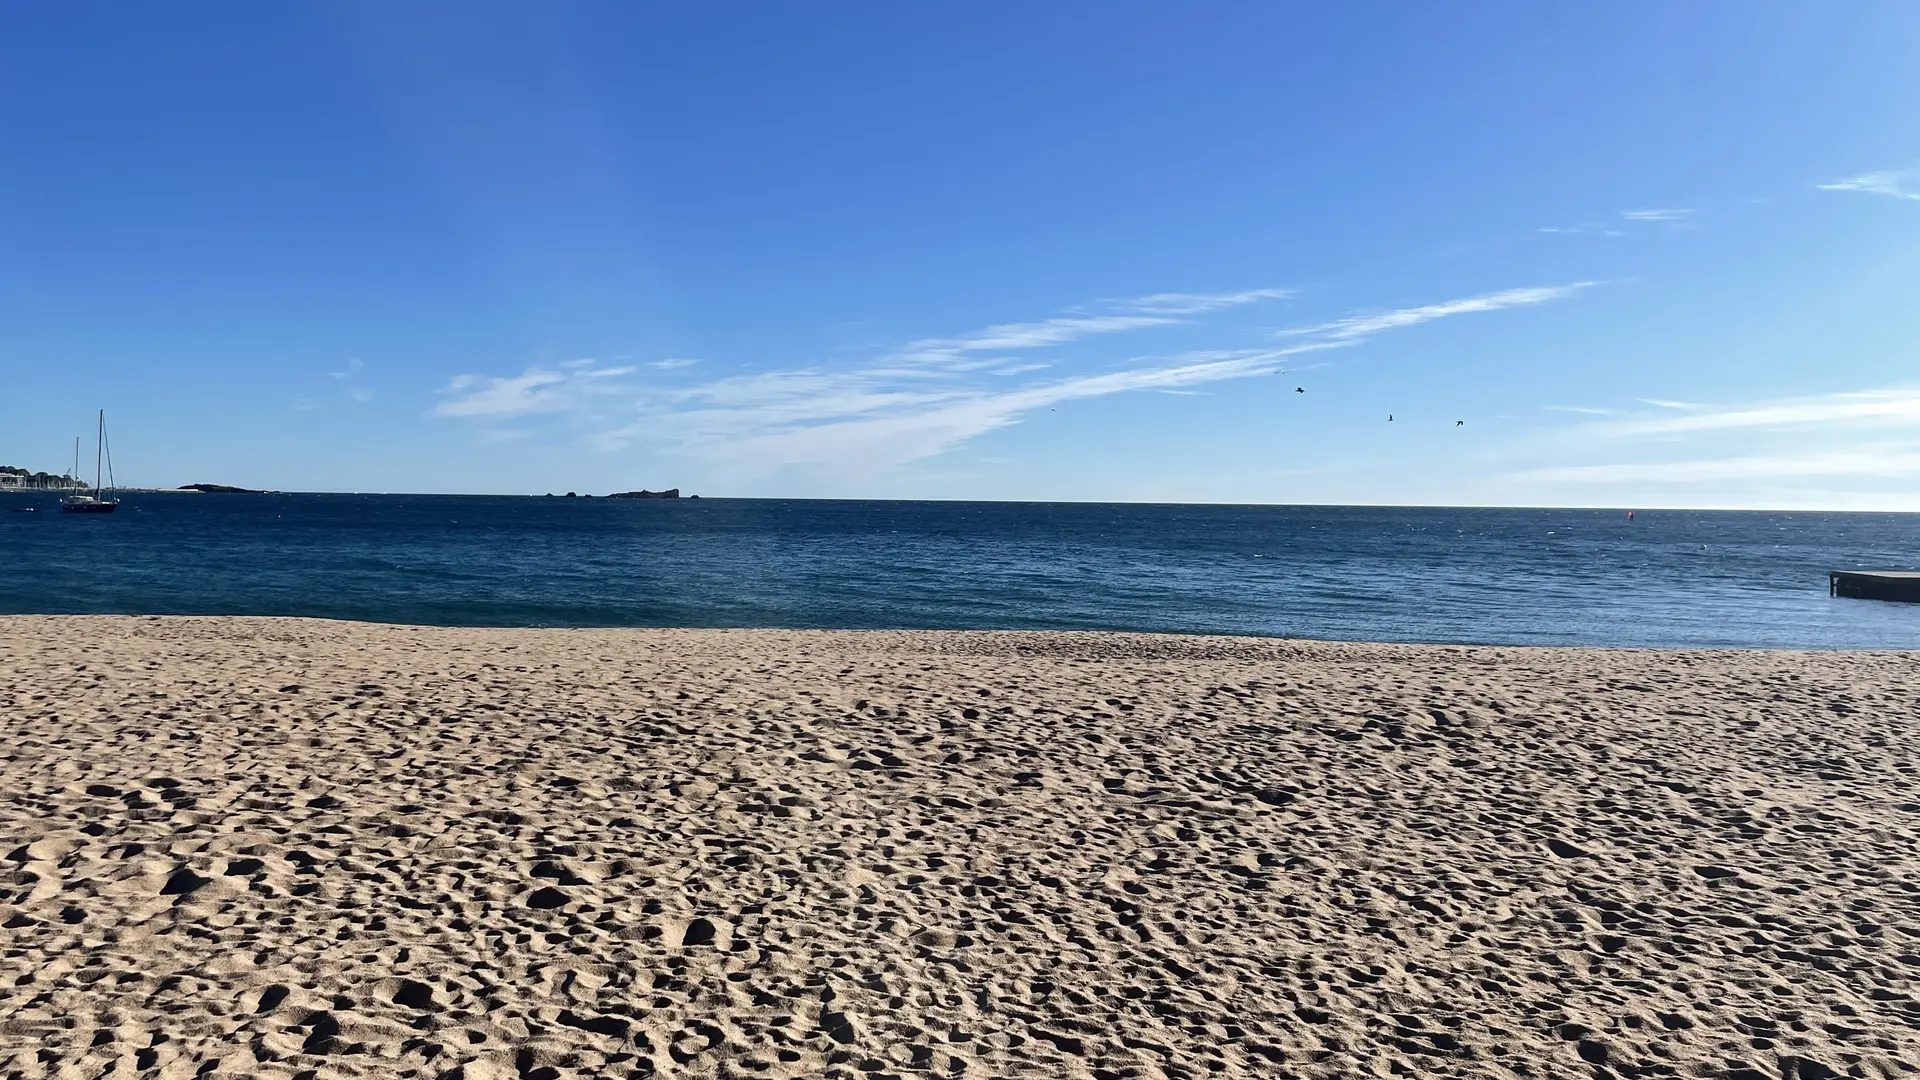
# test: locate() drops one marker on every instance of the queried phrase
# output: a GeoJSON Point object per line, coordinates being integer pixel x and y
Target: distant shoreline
{"type": "Point", "coordinates": [1642, 509]}
{"type": "Point", "coordinates": [1216, 645]}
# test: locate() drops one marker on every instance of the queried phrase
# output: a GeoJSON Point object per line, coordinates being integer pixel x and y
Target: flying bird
{"type": "Point", "coordinates": [1299, 389]}
{"type": "Point", "coordinates": [1459, 423]}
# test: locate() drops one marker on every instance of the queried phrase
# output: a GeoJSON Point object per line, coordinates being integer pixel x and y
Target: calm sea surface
{"type": "Point", "coordinates": [1512, 576]}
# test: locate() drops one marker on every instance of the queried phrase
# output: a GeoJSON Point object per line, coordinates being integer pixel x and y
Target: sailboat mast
{"type": "Point", "coordinates": [99, 450]}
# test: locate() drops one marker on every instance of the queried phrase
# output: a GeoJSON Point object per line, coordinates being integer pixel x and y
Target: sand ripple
{"type": "Point", "coordinates": [282, 848]}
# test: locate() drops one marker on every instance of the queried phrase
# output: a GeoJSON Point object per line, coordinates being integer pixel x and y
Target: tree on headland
{"type": "Point", "coordinates": [29, 478]}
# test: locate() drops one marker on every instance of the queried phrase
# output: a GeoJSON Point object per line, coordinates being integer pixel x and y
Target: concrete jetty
{"type": "Point", "coordinates": [1901, 585]}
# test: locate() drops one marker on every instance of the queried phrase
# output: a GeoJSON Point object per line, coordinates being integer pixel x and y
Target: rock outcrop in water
{"type": "Point", "coordinates": [225, 489]}
{"type": "Point", "coordinates": [670, 493]}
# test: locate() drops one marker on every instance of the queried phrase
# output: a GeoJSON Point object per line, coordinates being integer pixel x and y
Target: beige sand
{"type": "Point", "coordinates": [250, 847]}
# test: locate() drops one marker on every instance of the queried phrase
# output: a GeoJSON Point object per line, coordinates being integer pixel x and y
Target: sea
{"type": "Point", "coordinates": [1497, 576]}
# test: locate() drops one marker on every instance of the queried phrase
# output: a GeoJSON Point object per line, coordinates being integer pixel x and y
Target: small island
{"type": "Point", "coordinates": [670, 493]}
{"type": "Point", "coordinates": [225, 489]}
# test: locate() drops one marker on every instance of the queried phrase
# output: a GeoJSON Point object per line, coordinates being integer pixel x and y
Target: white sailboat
{"type": "Point", "coordinates": [101, 501]}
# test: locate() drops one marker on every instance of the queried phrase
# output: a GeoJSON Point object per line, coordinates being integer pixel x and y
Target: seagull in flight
{"type": "Point", "coordinates": [1299, 389]}
{"type": "Point", "coordinates": [1459, 423]}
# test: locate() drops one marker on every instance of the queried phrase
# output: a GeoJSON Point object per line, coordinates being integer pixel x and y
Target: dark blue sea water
{"type": "Point", "coordinates": [1362, 573]}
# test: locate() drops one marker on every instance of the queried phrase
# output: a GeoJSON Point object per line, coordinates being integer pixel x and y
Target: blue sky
{"type": "Point", "coordinates": [1634, 254]}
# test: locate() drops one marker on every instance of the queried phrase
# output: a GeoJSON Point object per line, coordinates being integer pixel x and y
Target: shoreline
{"type": "Point", "coordinates": [351, 849]}
{"type": "Point", "coordinates": [1195, 636]}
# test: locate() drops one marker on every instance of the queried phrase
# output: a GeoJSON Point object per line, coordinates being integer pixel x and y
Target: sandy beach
{"type": "Point", "coordinates": [286, 848]}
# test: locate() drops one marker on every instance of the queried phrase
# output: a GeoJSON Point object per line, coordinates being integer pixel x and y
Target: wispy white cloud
{"type": "Point", "coordinates": [1585, 228]}
{"type": "Point", "coordinates": [1106, 317]}
{"type": "Point", "coordinates": [487, 395]}
{"type": "Point", "coordinates": [1891, 407]}
{"type": "Point", "coordinates": [1670, 217]}
{"type": "Point", "coordinates": [1014, 337]}
{"type": "Point", "coordinates": [672, 363]}
{"type": "Point", "coordinates": [352, 371]}
{"type": "Point", "coordinates": [1895, 460]}
{"type": "Point", "coordinates": [1673, 217]}
{"type": "Point", "coordinates": [1896, 183]}
{"type": "Point", "coordinates": [1848, 445]}
{"type": "Point", "coordinates": [1196, 303]}
{"type": "Point", "coordinates": [534, 391]}
{"type": "Point", "coordinates": [920, 399]}
{"type": "Point", "coordinates": [865, 420]}
{"type": "Point", "coordinates": [1355, 327]}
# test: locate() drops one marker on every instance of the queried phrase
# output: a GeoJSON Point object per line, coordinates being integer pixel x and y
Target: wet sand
{"type": "Point", "coordinates": [281, 848]}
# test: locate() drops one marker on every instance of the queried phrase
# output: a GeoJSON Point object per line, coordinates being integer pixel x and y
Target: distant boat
{"type": "Point", "coordinates": [101, 501]}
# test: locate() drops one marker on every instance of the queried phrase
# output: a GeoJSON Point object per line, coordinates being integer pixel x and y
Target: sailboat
{"type": "Point", "coordinates": [101, 501]}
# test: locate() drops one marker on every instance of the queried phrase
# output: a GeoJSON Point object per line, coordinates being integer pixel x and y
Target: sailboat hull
{"type": "Point", "coordinates": [89, 507]}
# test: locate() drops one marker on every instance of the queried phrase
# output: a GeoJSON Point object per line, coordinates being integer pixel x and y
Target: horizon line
{"type": "Point", "coordinates": [1610, 507]}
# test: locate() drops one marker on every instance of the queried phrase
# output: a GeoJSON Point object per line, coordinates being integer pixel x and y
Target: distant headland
{"type": "Point", "coordinates": [225, 489]}
{"type": "Point", "coordinates": [643, 493]}
{"type": "Point", "coordinates": [14, 478]}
